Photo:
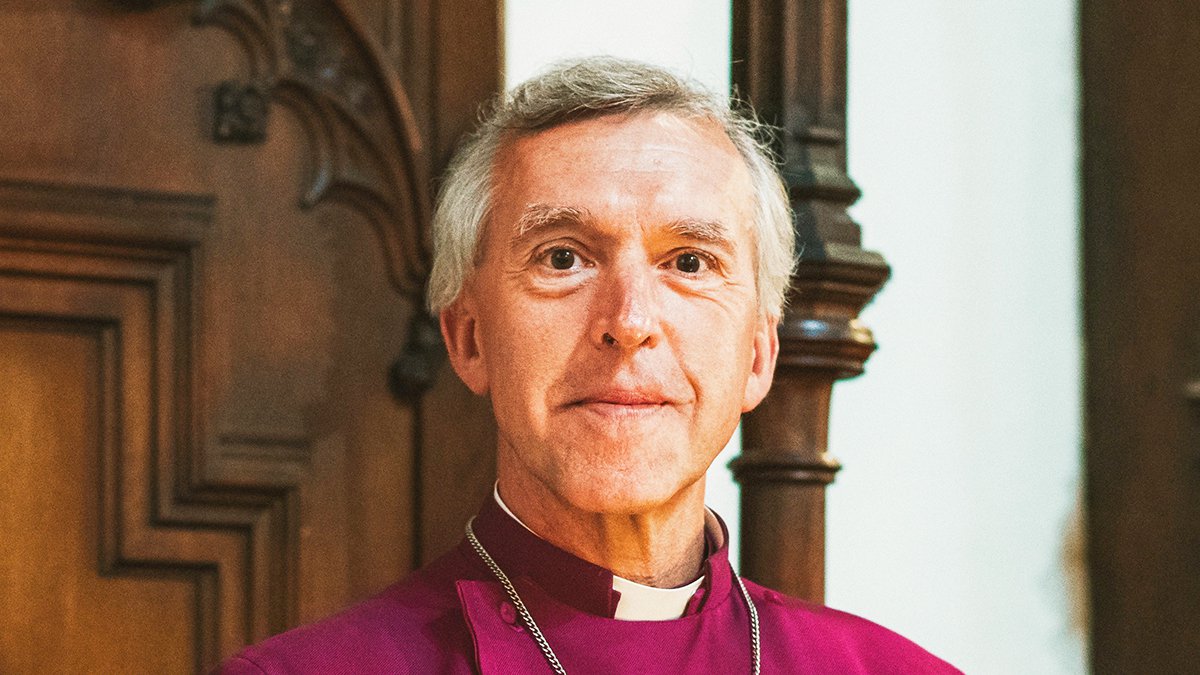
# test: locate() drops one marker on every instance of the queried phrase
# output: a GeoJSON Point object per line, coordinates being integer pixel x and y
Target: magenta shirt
{"type": "Point", "coordinates": [454, 617]}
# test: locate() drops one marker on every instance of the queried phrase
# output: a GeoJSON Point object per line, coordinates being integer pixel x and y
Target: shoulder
{"type": "Point", "coordinates": [414, 626]}
{"type": "Point", "coordinates": [835, 641]}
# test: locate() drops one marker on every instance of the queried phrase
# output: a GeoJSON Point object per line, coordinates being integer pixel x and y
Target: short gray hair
{"type": "Point", "coordinates": [593, 87]}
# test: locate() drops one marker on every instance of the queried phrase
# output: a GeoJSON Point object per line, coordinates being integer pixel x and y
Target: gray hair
{"type": "Point", "coordinates": [592, 87]}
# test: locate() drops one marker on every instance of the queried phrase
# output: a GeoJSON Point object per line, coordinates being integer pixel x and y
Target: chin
{"type": "Point", "coordinates": [623, 492]}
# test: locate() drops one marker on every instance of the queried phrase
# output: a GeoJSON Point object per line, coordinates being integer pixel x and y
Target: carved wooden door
{"type": "Point", "coordinates": [212, 246]}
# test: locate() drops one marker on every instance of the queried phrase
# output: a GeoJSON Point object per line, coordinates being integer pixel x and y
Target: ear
{"type": "Point", "coordinates": [460, 332]}
{"type": "Point", "coordinates": [762, 369]}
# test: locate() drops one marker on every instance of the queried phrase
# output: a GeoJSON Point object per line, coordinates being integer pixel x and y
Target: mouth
{"type": "Point", "coordinates": [622, 401]}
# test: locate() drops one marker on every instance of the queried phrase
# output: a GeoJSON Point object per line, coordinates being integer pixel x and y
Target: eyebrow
{"type": "Point", "coordinates": [710, 231]}
{"type": "Point", "coordinates": [540, 216]}
{"type": "Point", "coordinates": [537, 217]}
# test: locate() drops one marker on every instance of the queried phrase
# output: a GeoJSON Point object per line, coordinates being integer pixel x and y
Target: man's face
{"type": "Point", "coordinates": [613, 317]}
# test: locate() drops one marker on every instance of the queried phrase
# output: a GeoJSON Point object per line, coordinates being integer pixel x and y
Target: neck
{"type": "Point", "coordinates": [662, 546]}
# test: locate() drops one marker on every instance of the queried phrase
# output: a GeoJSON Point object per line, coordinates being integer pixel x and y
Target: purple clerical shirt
{"type": "Point", "coordinates": [453, 616]}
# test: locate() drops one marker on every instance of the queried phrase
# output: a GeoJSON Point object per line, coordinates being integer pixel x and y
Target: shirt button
{"type": "Point", "coordinates": [509, 614]}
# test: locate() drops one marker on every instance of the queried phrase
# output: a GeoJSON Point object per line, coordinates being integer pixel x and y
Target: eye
{"type": "Point", "coordinates": [688, 262]}
{"type": "Point", "coordinates": [562, 258]}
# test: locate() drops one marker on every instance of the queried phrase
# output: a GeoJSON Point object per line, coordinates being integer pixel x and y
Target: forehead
{"type": "Point", "coordinates": [643, 169]}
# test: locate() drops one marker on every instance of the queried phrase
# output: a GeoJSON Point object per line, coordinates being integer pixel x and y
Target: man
{"type": "Point", "coordinates": [612, 252]}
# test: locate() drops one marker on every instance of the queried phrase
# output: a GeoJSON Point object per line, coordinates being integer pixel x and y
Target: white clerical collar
{"type": "Point", "coordinates": [638, 602]}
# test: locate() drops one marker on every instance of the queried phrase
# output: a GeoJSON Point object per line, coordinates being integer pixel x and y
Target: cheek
{"type": "Point", "coordinates": [713, 328]}
{"type": "Point", "coordinates": [718, 354]}
{"type": "Point", "coordinates": [528, 348]}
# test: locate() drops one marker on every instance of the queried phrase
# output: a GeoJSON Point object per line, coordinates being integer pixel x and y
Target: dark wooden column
{"type": "Point", "coordinates": [789, 61]}
{"type": "Point", "coordinates": [1141, 308]}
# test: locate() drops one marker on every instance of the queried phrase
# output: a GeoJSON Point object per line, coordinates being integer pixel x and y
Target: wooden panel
{"type": "Point", "coordinates": [449, 53]}
{"type": "Point", "coordinates": [137, 288]}
{"type": "Point", "coordinates": [244, 269]}
{"type": "Point", "coordinates": [1141, 249]}
{"type": "Point", "coordinates": [57, 616]}
{"type": "Point", "coordinates": [254, 519]}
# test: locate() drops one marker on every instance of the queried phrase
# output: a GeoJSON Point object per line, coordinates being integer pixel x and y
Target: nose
{"type": "Point", "coordinates": [626, 311]}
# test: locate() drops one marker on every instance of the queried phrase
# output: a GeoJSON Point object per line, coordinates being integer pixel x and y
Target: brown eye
{"type": "Point", "coordinates": [562, 259]}
{"type": "Point", "coordinates": [688, 262]}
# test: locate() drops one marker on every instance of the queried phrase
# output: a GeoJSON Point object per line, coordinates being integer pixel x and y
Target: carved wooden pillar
{"type": "Point", "coordinates": [789, 61]}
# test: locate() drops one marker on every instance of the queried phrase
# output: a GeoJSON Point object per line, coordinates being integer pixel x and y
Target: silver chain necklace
{"type": "Point", "coordinates": [536, 632]}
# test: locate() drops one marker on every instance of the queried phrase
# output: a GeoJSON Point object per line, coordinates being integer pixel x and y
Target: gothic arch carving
{"type": "Point", "coordinates": [315, 57]}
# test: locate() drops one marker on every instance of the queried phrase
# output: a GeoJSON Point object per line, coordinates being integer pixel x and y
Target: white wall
{"type": "Point", "coordinates": [689, 36]}
{"type": "Point", "coordinates": [961, 444]}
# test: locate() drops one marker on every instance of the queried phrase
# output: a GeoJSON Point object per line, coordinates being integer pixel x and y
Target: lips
{"type": "Point", "coordinates": [622, 402]}
{"type": "Point", "coordinates": [625, 397]}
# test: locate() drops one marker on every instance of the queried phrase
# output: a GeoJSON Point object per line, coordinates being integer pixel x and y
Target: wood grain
{"type": "Point", "coordinates": [57, 615]}
{"type": "Point", "coordinates": [226, 331]}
